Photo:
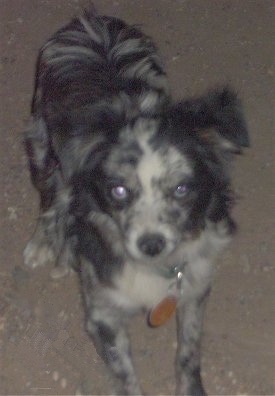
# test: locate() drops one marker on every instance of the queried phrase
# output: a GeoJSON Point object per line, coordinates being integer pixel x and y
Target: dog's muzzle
{"type": "Point", "coordinates": [151, 244]}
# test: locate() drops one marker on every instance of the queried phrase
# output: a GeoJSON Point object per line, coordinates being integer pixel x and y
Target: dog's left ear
{"type": "Point", "coordinates": [217, 118]}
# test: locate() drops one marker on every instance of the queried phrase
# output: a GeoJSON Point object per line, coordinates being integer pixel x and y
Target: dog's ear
{"type": "Point", "coordinates": [217, 118]}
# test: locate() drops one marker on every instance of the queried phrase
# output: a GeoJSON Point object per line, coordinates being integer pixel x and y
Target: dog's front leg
{"type": "Point", "coordinates": [189, 328]}
{"type": "Point", "coordinates": [112, 343]}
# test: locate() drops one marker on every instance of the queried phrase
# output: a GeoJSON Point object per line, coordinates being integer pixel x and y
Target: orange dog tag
{"type": "Point", "coordinates": [162, 312]}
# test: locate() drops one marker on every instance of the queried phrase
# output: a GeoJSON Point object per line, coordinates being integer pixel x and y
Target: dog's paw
{"type": "Point", "coordinates": [37, 254]}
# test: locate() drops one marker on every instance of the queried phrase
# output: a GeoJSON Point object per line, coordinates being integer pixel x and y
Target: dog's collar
{"type": "Point", "coordinates": [172, 272]}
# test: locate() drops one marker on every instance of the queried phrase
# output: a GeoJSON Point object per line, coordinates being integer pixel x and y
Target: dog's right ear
{"type": "Point", "coordinates": [216, 118]}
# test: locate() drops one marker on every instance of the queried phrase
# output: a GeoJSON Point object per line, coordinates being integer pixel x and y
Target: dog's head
{"type": "Point", "coordinates": [160, 179]}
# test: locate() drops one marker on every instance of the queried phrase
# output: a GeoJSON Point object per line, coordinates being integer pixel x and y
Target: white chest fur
{"type": "Point", "coordinates": [140, 288]}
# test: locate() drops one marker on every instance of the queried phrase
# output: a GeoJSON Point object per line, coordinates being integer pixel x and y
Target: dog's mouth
{"type": "Point", "coordinates": [165, 263]}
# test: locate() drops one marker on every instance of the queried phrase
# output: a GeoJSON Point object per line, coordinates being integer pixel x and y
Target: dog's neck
{"type": "Point", "coordinates": [169, 272]}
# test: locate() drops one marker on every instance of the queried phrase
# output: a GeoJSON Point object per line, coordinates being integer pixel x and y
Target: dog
{"type": "Point", "coordinates": [134, 188]}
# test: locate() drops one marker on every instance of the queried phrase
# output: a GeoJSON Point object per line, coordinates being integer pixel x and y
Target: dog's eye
{"type": "Point", "coordinates": [119, 193]}
{"type": "Point", "coordinates": [180, 191]}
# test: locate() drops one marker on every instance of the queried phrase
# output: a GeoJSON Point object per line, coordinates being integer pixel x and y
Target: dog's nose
{"type": "Point", "coordinates": [151, 244]}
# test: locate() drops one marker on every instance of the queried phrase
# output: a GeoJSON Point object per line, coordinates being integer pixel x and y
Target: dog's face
{"type": "Point", "coordinates": [147, 191]}
{"type": "Point", "coordinates": [160, 179]}
{"type": "Point", "coordinates": [153, 190]}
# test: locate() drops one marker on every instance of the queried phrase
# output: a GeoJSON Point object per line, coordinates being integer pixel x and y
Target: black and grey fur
{"type": "Point", "coordinates": [132, 186]}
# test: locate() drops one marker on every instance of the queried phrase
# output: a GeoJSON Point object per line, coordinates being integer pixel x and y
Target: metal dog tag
{"type": "Point", "coordinates": [166, 308]}
{"type": "Point", "coordinates": [163, 311]}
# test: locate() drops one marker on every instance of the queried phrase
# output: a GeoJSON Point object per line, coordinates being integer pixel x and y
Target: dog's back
{"type": "Point", "coordinates": [96, 65]}
{"type": "Point", "coordinates": [93, 76]}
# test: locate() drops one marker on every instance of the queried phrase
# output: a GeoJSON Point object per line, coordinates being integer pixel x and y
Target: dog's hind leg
{"type": "Point", "coordinates": [43, 163]}
{"type": "Point", "coordinates": [189, 328]}
{"type": "Point", "coordinates": [46, 177]}
{"type": "Point", "coordinates": [39, 250]}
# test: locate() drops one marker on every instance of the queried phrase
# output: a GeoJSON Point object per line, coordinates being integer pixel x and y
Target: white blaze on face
{"type": "Point", "coordinates": [158, 165]}
{"type": "Point", "coordinates": [150, 169]}
{"type": "Point", "coordinates": [158, 171]}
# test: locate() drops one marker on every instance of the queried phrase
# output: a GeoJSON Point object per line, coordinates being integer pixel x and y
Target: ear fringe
{"type": "Point", "coordinates": [219, 109]}
{"type": "Point", "coordinates": [228, 117]}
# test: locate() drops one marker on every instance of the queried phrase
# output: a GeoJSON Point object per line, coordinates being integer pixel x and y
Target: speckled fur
{"type": "Point", "coordinates": [132, 185]}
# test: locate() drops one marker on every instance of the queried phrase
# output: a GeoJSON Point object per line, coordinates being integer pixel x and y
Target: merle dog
{"type": "Point", "coordinates": [135, 189]}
